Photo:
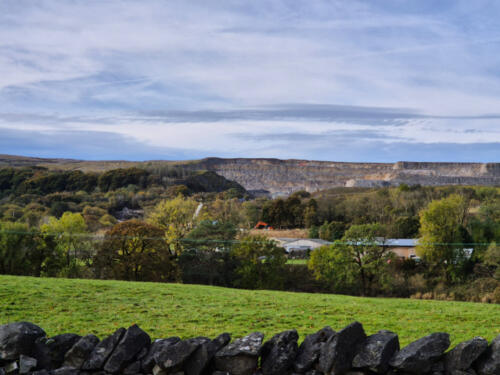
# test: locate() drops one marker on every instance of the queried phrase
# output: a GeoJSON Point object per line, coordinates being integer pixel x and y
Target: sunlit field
{"type": "Point", "coordinates": [99, 307]}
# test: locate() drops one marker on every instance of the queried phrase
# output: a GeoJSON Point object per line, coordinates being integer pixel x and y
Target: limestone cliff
{"type": "Point", "coordinates": [282, 177]}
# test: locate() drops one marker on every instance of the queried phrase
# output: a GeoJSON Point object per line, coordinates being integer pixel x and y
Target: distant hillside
{"type": "Point", "coordinates": [281, 177]}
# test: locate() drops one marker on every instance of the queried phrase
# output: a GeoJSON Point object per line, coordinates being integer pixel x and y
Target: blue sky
{"type": "Point", "coordinates": [370, 80]}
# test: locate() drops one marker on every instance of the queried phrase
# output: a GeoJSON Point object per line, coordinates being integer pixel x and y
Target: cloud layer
{"type": "Point", "coordinates": [315, 79]}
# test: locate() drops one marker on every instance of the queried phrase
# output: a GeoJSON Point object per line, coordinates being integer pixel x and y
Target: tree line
{"type": "Point", "coordinates": [198, 231]}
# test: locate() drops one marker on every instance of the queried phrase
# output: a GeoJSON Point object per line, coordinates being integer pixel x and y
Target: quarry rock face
{"type": "Point", "coordinates": [283, 177]}
{"type": "Point", "coordinates": [419, 356]}
{"type": "Point", "coordinates": [326, 352]}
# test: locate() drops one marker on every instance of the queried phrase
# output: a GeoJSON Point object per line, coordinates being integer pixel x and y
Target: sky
{"type": "Point", "coordinates": [373, 81]}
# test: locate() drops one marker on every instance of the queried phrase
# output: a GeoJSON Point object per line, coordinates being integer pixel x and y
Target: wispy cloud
{"type": "Point", "coordinates": [189, 75]}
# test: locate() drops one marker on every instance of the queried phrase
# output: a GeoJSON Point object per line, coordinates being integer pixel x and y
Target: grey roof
{"type": "Point", "coordinates": [316, 240]}
{"type": "Point", "coordinates": [390, 242]}
{"type": "Point", "coordinates": [401, 242]}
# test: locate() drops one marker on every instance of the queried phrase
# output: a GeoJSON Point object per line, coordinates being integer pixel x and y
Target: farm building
{"type": "Point", "coordinates": [402, 247]}
{"type": "Point", "coordinates": [292, 245]}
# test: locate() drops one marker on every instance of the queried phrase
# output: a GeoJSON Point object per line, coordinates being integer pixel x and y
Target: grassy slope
{"type": "Point", "coordinates": [99, 307]}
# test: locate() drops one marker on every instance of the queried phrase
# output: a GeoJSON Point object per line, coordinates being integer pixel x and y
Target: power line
{"type": "Point", "coordinates": [226, 241]}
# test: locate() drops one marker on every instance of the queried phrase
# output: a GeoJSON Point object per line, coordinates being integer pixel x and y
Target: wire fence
{"type": "Point", "coordinates": [97, 236]}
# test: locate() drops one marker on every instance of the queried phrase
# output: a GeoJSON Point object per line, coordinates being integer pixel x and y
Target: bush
{"type": "Point", "coordinates": [260, 263]}
{"type": "Point", "coordinates": [206, 267]}
{"type": "Point", "coordinates": [134, 250]}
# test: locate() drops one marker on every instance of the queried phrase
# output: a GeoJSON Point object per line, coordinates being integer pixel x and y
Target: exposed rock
{"type": "Point", "coordinates": [438, 367]}
{"type": "Point", "coordinates": [419, 356]}
{"type": "Point", "coordinates": [278, 354]}
{"type": "Point", "coordinates": [489, 362]}
{"type": "Point", "coordinates": [78, 354]}
{"type": "Point", "coordinates": [132, 342]}
{"type": "Point", "coordinates": [50, 352]}
{"type": "Point", "coordinates": [241, 356]}
{"type": "Point", "coordinates": [142, 354]}
{"type": "Point", "coordinates": [376, 352]}
{"type": "Point", "coordinates": [157, 370]}
{"type": "Point", "coordinates": [65, 371]}
{"type": "Point", "coordinates": [172, 357]}
{"type": "Point", "coordinates": [338, 352]}
{"type": "Point", "coordinates": [103, 350]}
{"type": "Point", "coordinates": [133, 368]}
{"type": "Point", "coordinates": [203, 355]}
{"type": "Point", "coordinates": [18, 338]}
{"type": "Point", "coordinates": [11, 368]}
{"type": "Point", "coordinates": [310, 348]}
{"type": "Point", "coordinates": [282, 177]}
{"type": "Point", "coordinates": [39, 372]}
{"type": "Point", "coordinates": [464, 354]}
{"type": "Point", "coordinates": [148, 362]}
{"type": "Point", "coordinates": [462, 372]}
{"type": "Point", "coordinates": [26, 364]}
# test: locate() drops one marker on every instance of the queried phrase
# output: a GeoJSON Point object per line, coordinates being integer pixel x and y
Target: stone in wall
{"type": "Point", "coordinates": [326, 352]}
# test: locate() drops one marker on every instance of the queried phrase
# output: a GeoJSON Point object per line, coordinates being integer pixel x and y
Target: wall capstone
{"type": "Point", "coordinates": [25, 349]}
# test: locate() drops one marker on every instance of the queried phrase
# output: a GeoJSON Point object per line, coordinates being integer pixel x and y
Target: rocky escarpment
{"type": "Point", "coordinates": [25, 349]}
{"type": "Point", "coordinates": [282, 177]}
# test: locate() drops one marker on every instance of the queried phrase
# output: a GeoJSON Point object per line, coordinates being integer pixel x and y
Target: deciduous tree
{"type": "Point", "coordinates": [358, 263]}
{"type": "Point", "coordinates": [135, 250]}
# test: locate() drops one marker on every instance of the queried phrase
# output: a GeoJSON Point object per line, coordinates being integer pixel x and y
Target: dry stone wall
{"type": "Point", "coordinates": [25, 349]}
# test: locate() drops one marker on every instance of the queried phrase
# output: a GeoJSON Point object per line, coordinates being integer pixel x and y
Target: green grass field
{"type": "Point", "coordinates": [99, 307]}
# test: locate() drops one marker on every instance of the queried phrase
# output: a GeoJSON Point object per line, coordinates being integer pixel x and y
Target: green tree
{"type": "Point", "coordinates": [358, 263]}
{"type": "Point", "coordinates": [441, 230]}
{"type": "Point", "coordinates": [331, 231]}
{"type": "Point", "coordinates": [405, 227]}
{"type": "Point", "coordinates": [135, 250]}
{"type": "Point", "coordinates": [176, 217]}
{"type": "Point", "coordinates": [92, 216]}
{"type": "Point", "coordinates": [311, 213]}
{"type": "Point", "coordinates": [313, 232]}
{"type": "Point", "coordinates": [492, 260]}
{"type": "Point", "coordinates": [261, 263]}
{"type": "Point", "coordinates": [211, 235]}
{"type": "Point", "coordinates": [68, 236]}
{"type": "Point", "coordinates": [16, 249]}
{"type": "Point", "coordinates": [205, 259]}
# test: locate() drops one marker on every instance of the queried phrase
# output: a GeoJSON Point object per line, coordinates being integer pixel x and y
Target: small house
{"type": "Point", "coordinates": [402, 247]}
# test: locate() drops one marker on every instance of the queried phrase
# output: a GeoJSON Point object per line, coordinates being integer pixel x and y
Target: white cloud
{"type": "Point", "coordinates": [117, 58]}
